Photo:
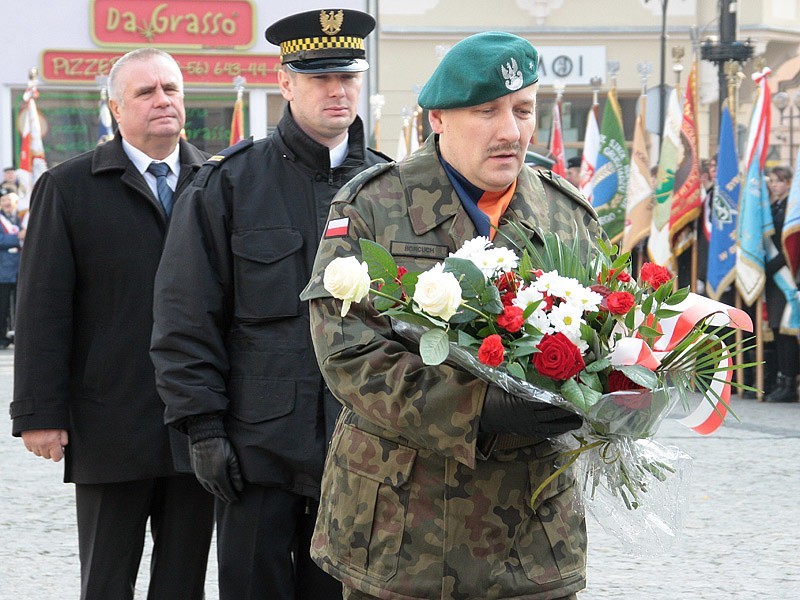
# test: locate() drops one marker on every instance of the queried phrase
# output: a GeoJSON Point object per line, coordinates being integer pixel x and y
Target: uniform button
{"type": "Point", "coordinates": [319, 177]}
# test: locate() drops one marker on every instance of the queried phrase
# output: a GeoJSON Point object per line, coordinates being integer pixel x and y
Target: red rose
{"type": "Point", "coordinates": [619, 303]}
{"type": "Point", "coordinates": [655, 275]}
{"type": "Point", "coordinates": [491, 352]}
{"type": "Point", "coordinates": [618, 382]}
{"type": "Point", "coordinates": [558, 358]}
{"type": "Point", "coordinates": [511, 319]}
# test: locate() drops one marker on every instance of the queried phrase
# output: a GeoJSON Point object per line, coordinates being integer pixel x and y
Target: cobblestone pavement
{"type": "Point", "coordinates": [739, 541]}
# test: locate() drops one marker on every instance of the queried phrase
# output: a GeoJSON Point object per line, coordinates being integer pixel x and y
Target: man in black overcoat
{"type": "Point", "coordinates": [84, 382]}
{"type": "Point", "coordinates": [231, 340]}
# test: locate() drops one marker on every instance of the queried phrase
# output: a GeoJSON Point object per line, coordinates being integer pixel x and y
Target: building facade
{"type": "Point", "coordinates": [72, 44]}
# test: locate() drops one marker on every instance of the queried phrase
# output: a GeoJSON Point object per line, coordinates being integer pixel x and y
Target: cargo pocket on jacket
{"type": "Point", "coordinates": [368, 502]}
{"type": "Point", "coordinates": [260, 399]}
{"type": "Point", "coordinates": [551, 542]}
{"type": "Point", "coordinates": [268, 272]}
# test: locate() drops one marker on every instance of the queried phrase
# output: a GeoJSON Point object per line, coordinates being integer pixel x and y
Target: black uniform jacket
{"type": "Point", "coordinates": [231, 336]}
{"type": "Point", "coordinates": [84, 318]}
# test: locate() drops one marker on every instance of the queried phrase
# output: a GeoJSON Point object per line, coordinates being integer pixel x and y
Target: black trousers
{"type": "Point", "coordinates": [112, 520]}
{"type": "Point", "coordinates": [787, 352]}
{"type": "Point", "coordinates": [263, 545]}
{"type": "Point", "coordinates": [7, 290]}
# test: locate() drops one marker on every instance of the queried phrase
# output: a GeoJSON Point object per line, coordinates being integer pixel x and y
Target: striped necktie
{"type": "Point", "coordinates": [160, 170]}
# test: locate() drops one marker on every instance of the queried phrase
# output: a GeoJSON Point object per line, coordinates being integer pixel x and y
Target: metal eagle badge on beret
{"type": "Point", "coordinates": [323, 41]}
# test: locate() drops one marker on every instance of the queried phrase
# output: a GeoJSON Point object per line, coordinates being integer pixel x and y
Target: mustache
{"type": "Point", "coordinates": [513, 148]}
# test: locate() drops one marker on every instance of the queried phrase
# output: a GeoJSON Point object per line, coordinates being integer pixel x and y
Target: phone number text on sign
{"type": "Point", "coordinates": [201, 69]}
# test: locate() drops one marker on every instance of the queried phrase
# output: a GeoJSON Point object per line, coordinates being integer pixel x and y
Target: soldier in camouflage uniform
{"type": "Point", "coordinates": [428, 480]}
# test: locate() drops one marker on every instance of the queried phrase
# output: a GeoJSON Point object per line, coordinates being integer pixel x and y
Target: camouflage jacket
{"type": "Point", "coordinates": [410, 508]}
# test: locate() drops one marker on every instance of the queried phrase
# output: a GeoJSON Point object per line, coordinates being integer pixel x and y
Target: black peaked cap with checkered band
{"type": "Point", "coordinates": [323, 41]}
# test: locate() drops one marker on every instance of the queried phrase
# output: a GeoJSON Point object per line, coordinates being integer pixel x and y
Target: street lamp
{"type": "Point", "coordinates": [781, 102]}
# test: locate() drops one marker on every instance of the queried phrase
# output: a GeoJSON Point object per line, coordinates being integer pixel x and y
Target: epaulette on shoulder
{"type": "Point", "coordinates": [350, 190]}
{"type": "Point", "coordinates": [215, 161]}
{"type": "Point", "coordinates": [566, 188]}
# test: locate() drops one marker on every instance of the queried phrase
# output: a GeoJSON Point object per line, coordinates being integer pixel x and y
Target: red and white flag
{"type": "Point", "coordinates": [237, 120]}
{"type": "Point", "coordinates": [591, 147]}
{"type": "Point", "coordinates": [32, 162]}
{"type": "Point", "coordinates": [557, 142]}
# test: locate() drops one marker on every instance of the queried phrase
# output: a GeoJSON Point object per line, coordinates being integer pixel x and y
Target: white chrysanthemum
{"type": "Point", "coordinates": [472, 248]}
{"type": "Point", "coordinates": [527, 296]}
{"type": "Point", "coordinates": [540, 320]}
{"type": "Point", "coordinates": [546, 281]}
{"type": "Point", "coordinates": [588, 300]}
{"type": "Point", "coordinates": [504, 259]}
{"type": "Point", "coordinates": [566, 318]}
{"type": "Point", "coordinates": [567, 288]}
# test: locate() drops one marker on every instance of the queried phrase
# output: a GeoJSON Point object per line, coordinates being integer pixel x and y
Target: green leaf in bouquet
{"type": "Point", "coordinates": [381, 264]}
{"type": "Point", "coordinates": [574, 395]}
{"type": "Point", "coordinates": [468, 274]}
{"type": "Point", "coordinates": [630, 319]}
{"type": "Point", "coordinates": [666, 313]}
{"type": "Point", "coordinates": [391, 289]}
{"type": "Point", "coordinates": [598, 365]}
{"type": "Point", "coordinates": [639, 375]}
{"type": "Point", "coordinates": [647, 305]}
{"type": "Point", "coordinates": [677, 297]}
{"type": "Point", "coordinates": [434, 346]}
{"type": "Point", "coordinates": [525, 266]}
{"type": "Point", "coordinates": [622, 261]}
{"type": "Point", "coordinates": [525, 346]}
{"type": "Point", "coordinates": [663, 292]}
{"type": "Point", "coordinates": [415, 318]}
{"type": "Point", "coordinates": [535, 378]}
{"type": "Point", "coordinates": [648, 332]}
{"type": "Point", "coordinates": [465, 339]}
{"type": "Point", "coordinates": [465, 315]}
{"type": "Point", "coordinates": [409, 283]}
{"type": "Point", "coordinates": [591, 396]}
{"type": "Point", "coordinates": [591, 380]}
{"type": "Point", "coordinates": [516, 370]}
{"type": "Point", "coordinates": [490, 300]}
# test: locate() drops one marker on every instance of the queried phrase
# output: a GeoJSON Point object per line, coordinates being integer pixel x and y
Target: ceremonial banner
{"type": "Point", "coordinates": [724, 206]}
{"type": "Point", "coordinates": [685, 206]}
{"type": "Point", "coordinates": [610, 181]}
{"type": "Point", "coordinates": [591, 147]}
{"type": "Point", "coordinates": [32, 162]}
{"type": "Point", "coordinates": [790, 236]}
{"type": "Point", "coordinates": [755, 217]}
{"type": "Point", "coordinates": [639, 205]}
{"type": "Point", "coordinates": [557, 142]}
{"type": "Point", "coordinates": [659, 245]}
{"type": "Point", "coordinates": [237, 121]}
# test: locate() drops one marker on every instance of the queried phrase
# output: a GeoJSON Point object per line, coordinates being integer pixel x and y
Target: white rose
{"type": "Point", "coordinates": [438, 293]}
{"type": "Point", "coordinates": [347, 279]}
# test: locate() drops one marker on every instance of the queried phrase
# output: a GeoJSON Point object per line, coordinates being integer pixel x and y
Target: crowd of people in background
{"type": "Point", "coordinates": [12, 235]}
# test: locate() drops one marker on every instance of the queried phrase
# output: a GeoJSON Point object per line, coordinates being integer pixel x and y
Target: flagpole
{"type": "Point", "coordinates": [734, 78]}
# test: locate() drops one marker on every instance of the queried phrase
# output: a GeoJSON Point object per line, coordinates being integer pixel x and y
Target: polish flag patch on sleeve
{"type": "Point", "coordinates": [337, 228]}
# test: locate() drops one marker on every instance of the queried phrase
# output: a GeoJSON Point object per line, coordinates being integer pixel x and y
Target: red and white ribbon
{"type": "Point", "coordinates": [710, 413]}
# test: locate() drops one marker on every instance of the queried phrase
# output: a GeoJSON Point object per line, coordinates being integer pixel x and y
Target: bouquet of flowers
{"type": "Point", "coordinates": [549, 324]}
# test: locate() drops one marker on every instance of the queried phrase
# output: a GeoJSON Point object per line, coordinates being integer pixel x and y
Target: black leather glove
{"type": "Point", "coordinates": [214, 460]}
{"type": "Point", "coordinates": [506, 413]}
{"type": "Point", "coordinates": [217, 469]}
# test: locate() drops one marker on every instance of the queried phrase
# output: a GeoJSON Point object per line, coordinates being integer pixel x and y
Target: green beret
{"type": "Point", "coordinates": [481, 68]}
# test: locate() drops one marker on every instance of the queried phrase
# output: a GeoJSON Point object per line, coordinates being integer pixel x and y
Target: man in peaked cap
{"type": "Point", "coordinates": [231, 342]}
{"type": "Point", "coordinates": [427, 485]}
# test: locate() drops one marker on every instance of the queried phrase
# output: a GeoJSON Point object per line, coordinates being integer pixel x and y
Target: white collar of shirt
{"type": "Point", "coordinates": [339, 153]}
{"type": "Point", "coordinates": [141, 161]}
